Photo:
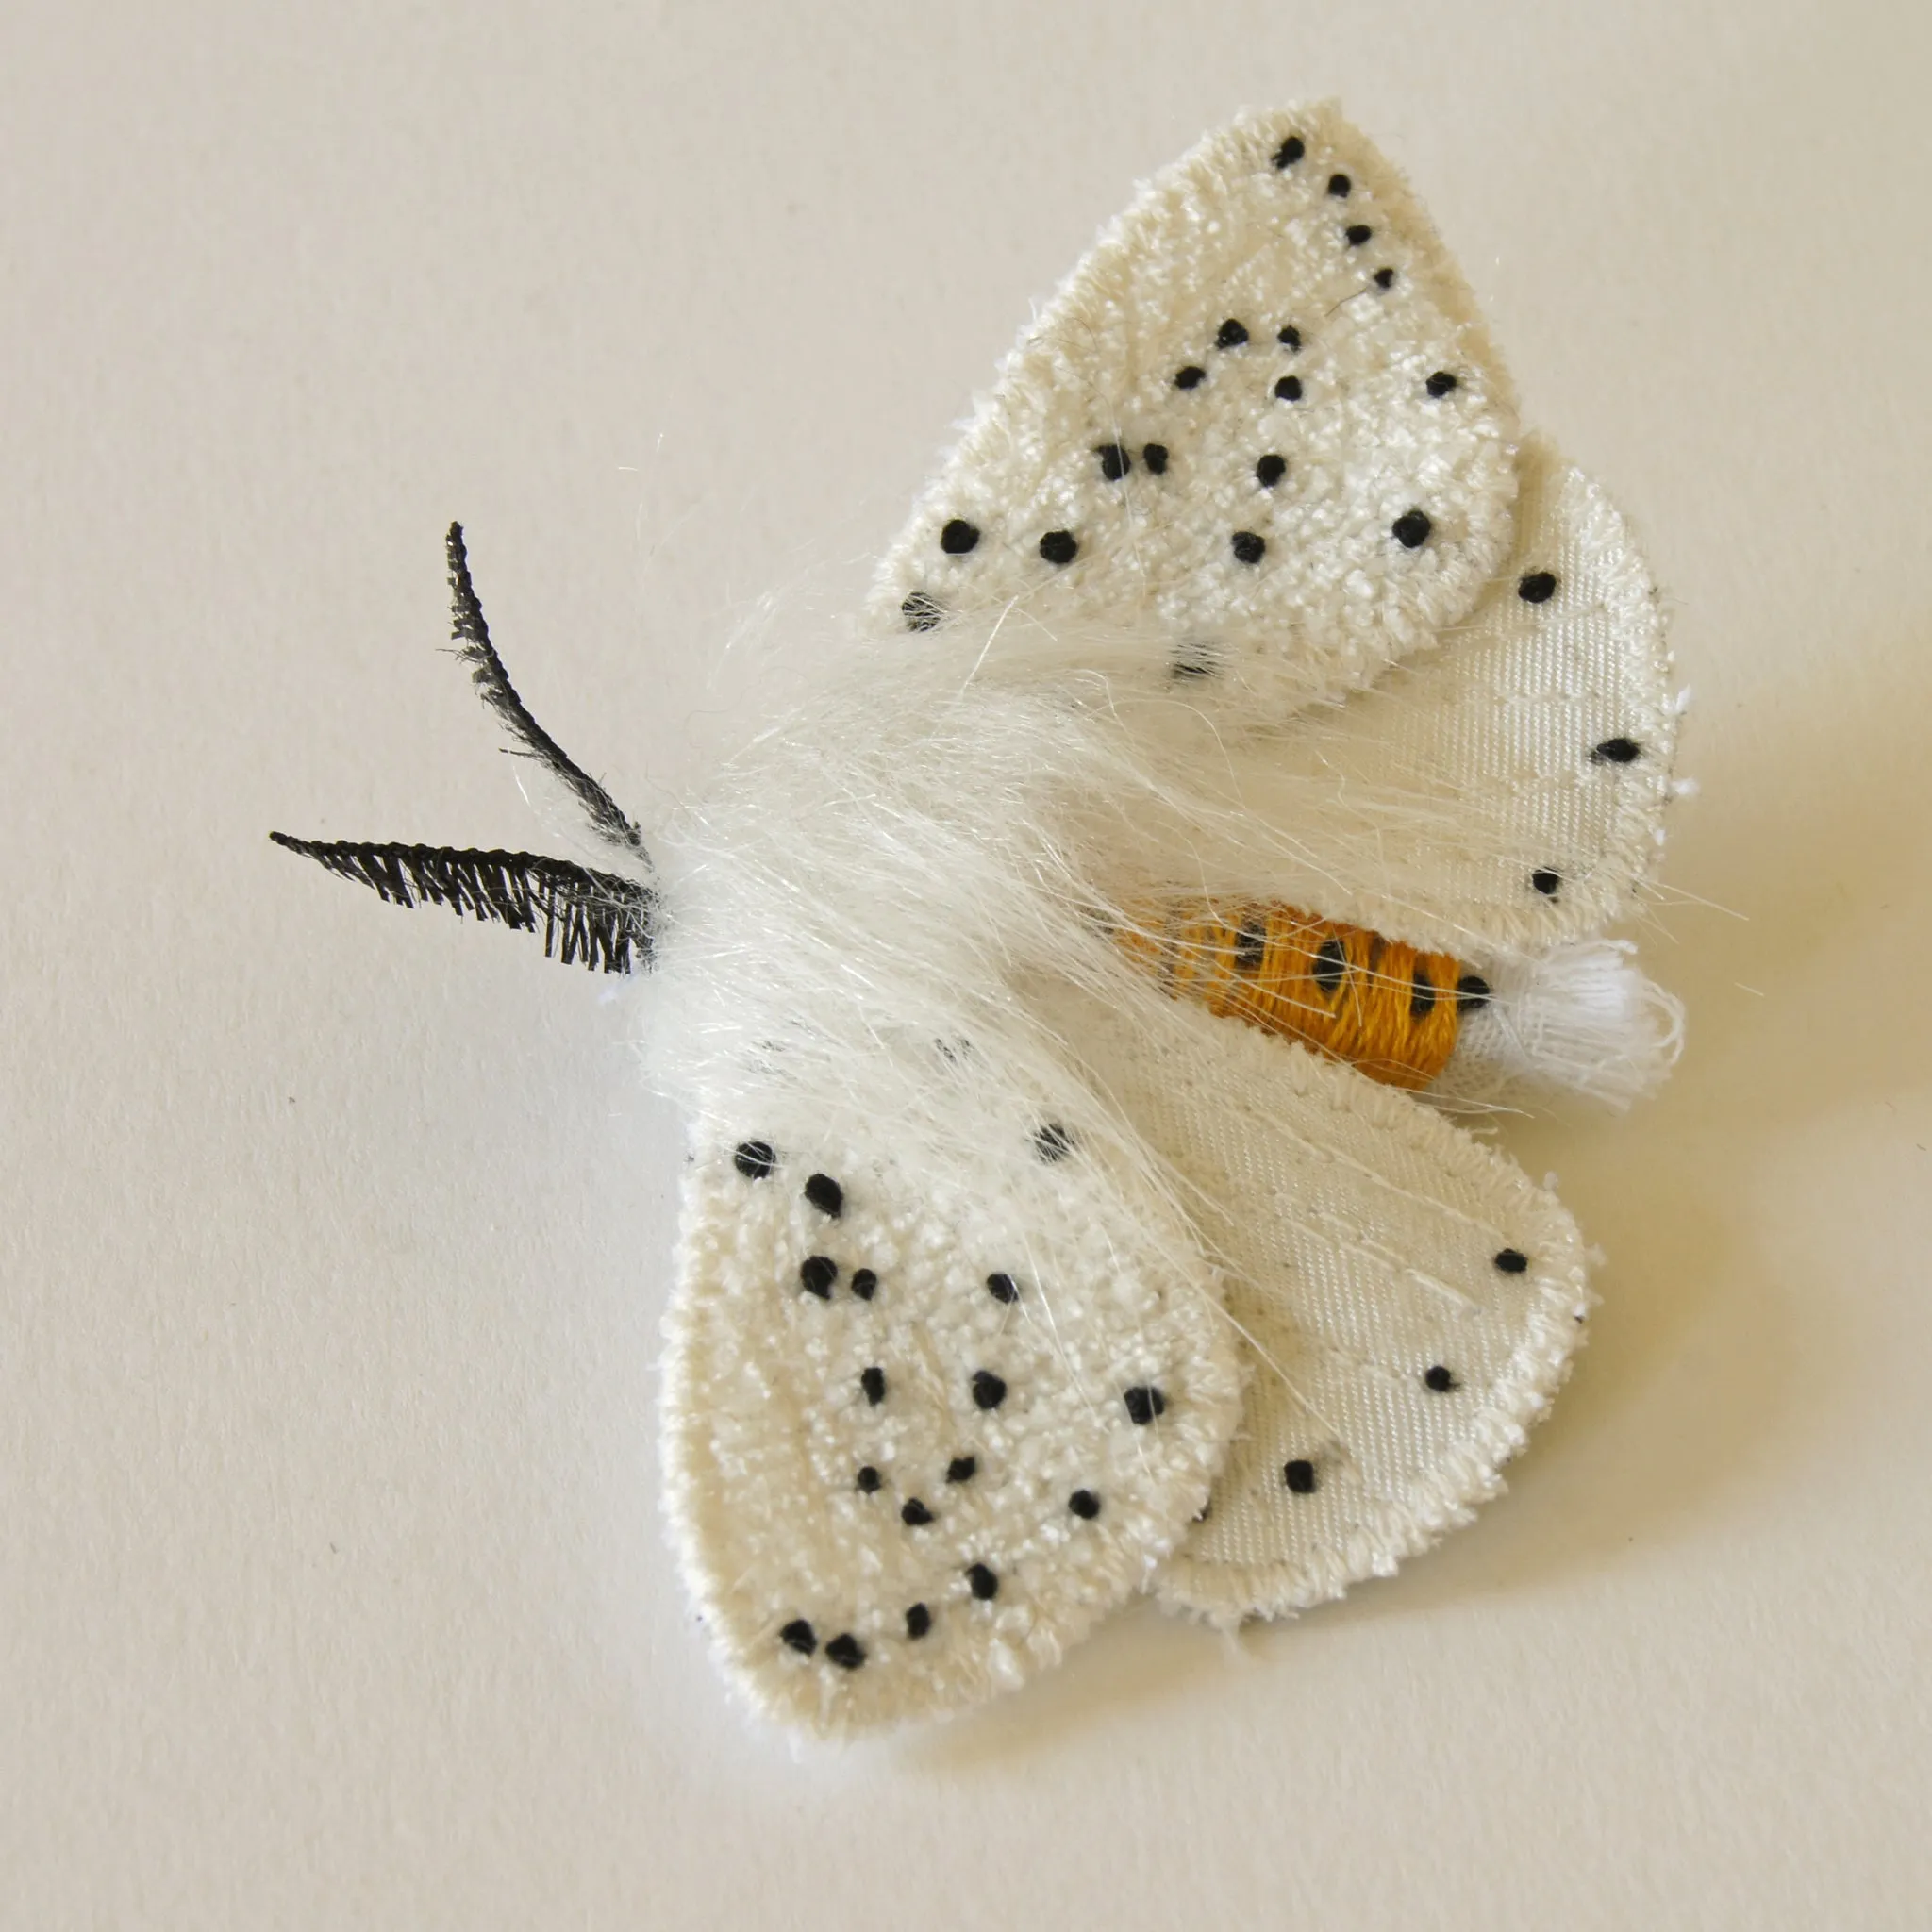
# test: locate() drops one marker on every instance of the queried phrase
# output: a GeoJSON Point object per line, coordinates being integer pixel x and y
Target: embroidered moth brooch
{"type": "Point", "coordinates": [1077, 992]}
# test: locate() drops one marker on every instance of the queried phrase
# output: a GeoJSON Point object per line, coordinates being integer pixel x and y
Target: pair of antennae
{"type": "Point", "coordinates": [593, 917]}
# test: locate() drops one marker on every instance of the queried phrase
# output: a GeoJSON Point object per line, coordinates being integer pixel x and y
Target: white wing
{"type": "Point", "coordinates": [1408, 1302]}
{"type": "Point", "coordinates": [1504, 791]}
{"type": "Point", "coordinates": [1260, 415]}
{"type": "Point", "coordinates": [918, 1439]}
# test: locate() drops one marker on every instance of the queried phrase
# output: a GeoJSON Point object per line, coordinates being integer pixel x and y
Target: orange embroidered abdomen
{"type": "Point", "coordinates": [1382, 1005]}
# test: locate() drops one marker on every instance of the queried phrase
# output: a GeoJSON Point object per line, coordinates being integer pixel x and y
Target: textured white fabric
{"type": "Point", "coordinates": [1367, 1246]}
{"type": "Point", "coordinates": [1081, 1476]}
{"type": "Point", "coordinates": [1429, 806]}
{"type": "Point", "coordinates": [884, 948]}
{"type": "Point", "coordinates": [1236, 232]}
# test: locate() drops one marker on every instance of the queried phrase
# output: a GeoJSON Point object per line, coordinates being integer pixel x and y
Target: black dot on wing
{"type": "Point", "coordinates": [1059, 546]}
{"type": "Point", "coordinates": [1422, 994]}
{"type": "Point", "coordinates": [1053, 1141]}
{"type": "Point", "coordinates": [826, 1194]}
{"type": "Point", "coordinates": [918, 1621]}
{"type": "Point", "coordinates": [874, 1383]}
{"type": "Point", "coordinates": [867, 1481]}
{"type": "Point", "coordinates": [1617, 751]}
{"type": "Point", "coordinates": [1471, 991]}
{"type": "Point", "coordinates": [1546, 882]}
{"type": "Point", "coordinates": [1084, 1504]}
{"type": "Point", "coordinates": [1412, 528]}
{"type": "Point", "coordinates": [846, 1652]}
{"type": "Point", "coordinates": [1143, 1404]}
{"type": "Point", "coordinates": [1338, 186]}
{"type": "Point", "coordinates": [1250, 945]}
{"type": "Point", "coordinates": [1289, 390]}
{"type": "Point", "coordinates": [914, 1514]}
{"type": "Point", "coordinates": [1440, 383]}
{"type": "Point", "coordinates": [1193, 658]}
{"type": "Point", "coordinates": [798, 1635]}
{"type": "Point", "coordinates": [1291, 151]}
{"type": "Point", "coordinates": [983, 1583]}
{"type": "Point", "coordinates": [1154, 457]}
{"type": "Point", "coordinates": [1357, 232]}
{"type": "Point", "coordinates": [1331, 966]}
{"type": "Point", "coordinates": [920, 613]}
{"type": "Point", "coordinates": [1537, 587]}
{"type": "Point", "coordinates": [1385, 278]}
{"type": "Point", "coordinates": [865, 1284]}
{"type": "Point", "coordinates": [958, 537]}
{"type": "Point", "coordinates": [989, 1391]}
{"type": "Point", "coordinates": [1190, 377]}
{"type": "Point", "coordinates": [1114, 461]}
{"type": "Point", "coordinates": [1247, 546]}
{"type": "Point", "coordinates": [1002, 1287]}
{"type": "Point", "coordinates": [1288, 336]}
{"type": "Point", "coordinates": [962, 1469]}
{"type": "Point", "coordinates": [1231, 334]}
{"type": "Point", "coordinates": [1439, 1379]}
{"type": "Point", "coordinates": [1270, 470]}
{"type": "Point", "coordinates": [817, 1274]}
{"type": "Point", "coordinates": [1512, 1261]}
{"type": "Point", "coordinates": [1300, 1477]}
{"type": "Point", "coordinates": [754, 1159]}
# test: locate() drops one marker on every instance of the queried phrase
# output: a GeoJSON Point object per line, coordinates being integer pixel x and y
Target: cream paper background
{"type": "Point", "coordinates": [332, 1588]}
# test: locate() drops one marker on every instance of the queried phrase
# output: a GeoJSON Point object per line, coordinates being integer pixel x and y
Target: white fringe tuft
{"type": "Point", "coordinates": [1579, 1019]}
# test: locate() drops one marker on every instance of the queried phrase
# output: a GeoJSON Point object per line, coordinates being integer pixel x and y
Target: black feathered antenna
{"type": "Point", "coordinates": [500, 694]}
{"type": "Point", "coordinates": [594, 917]}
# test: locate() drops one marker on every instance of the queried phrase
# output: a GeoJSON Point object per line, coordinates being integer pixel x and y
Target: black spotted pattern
{"type": "Point", "coordinates": [1270, 470]}
{"type": "Point", "coordinates": [1144, 1405]}
{"type": "Point", "coordinates": [1114, 461]}
{"type": "Point", "coordinates": [798, 1635]}
{"type": "Point", "coordinates": [962, 1469]}
{"type": "Point", "coordinates": [865, 1284]}
{"type": "Point", "coordinates": [1059, 546]}
{"type": "Point", "coordinates": [1247, 546]}
{"type": "Point", "coordinates": [1191, 376]}
{"type": "Point", "coordinates": [983, 1583]}
{"type": "Point", "coordinates": [874, 1383]}
{"type": "Point", "coordinates": [1291, 151]}
{"type": "Point", "coordinates": [1440, 383]}
{"type": "Point", "coordinates": [1439, 1379]}
{"type": "Point", "coordinates": [1617, 751]}
{"type": "Point", "coordinates": [1548, 882]}
{"type": "Point", "coordinates": [1002, 1287]}
{"type": "Point", "coordinates": [1412, 528]}
{"type": "Point", "coordinates": [846, 1652]}
{"type": "Point", "coordinates": [1300, 1477]}
{"type": "Point", "coordinates": [817, 1274]}
{"type": "Point", "coordinates": [1084, 1504]}
{"type": "Point", "coordinates": [1154, 457]}
{"type": "Point", "coordinates": [958, 537]}
{"type": "Point", "coordinates": [918, 1621]}
{"type": "Point", "coordinates": [826, 1194]}
{"type": "Point", "coordinates": [1537, 586]}
{"type": "Point", "coordinates": [1230, 335]}
{"type": "Point", "coordinates": [1289, 390]}
{"type": "Point", "coordinates": [754, 1159]}
{"type": "Point", "coordinates": [989, 1391]}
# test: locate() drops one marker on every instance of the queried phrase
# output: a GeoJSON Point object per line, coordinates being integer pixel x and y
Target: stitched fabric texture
{"type": "Point", "coordinates": [919, 1437]}
{"type": "Point", "coordinates": [1260, 414]}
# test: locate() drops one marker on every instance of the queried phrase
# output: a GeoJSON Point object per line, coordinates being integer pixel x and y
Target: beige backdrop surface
{"type": "Point", "coordinates": [332, 1589]}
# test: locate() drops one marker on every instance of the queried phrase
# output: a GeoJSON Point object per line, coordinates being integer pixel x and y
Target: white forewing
{"type": "Point", "coordinates": [919, 1445]}
{"type": "Point", "coordinates": [1408, 1302]}
{"type": "Point", "coordinates": [1260, 421]}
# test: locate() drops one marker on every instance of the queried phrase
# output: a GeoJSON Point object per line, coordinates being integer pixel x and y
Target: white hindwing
{"type": "Point", "coordinates": [917, 1446]}
{"type": "Point", "coordinates": [1260, 415]}
{"type": "Point", "coordinates": [1408, 1300]}
{"type": "Point", "coordinates": [1504, 792]}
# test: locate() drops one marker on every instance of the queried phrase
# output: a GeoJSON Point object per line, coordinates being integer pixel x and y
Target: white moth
{"type": "Point", "coordinates": [1007, 1285]}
